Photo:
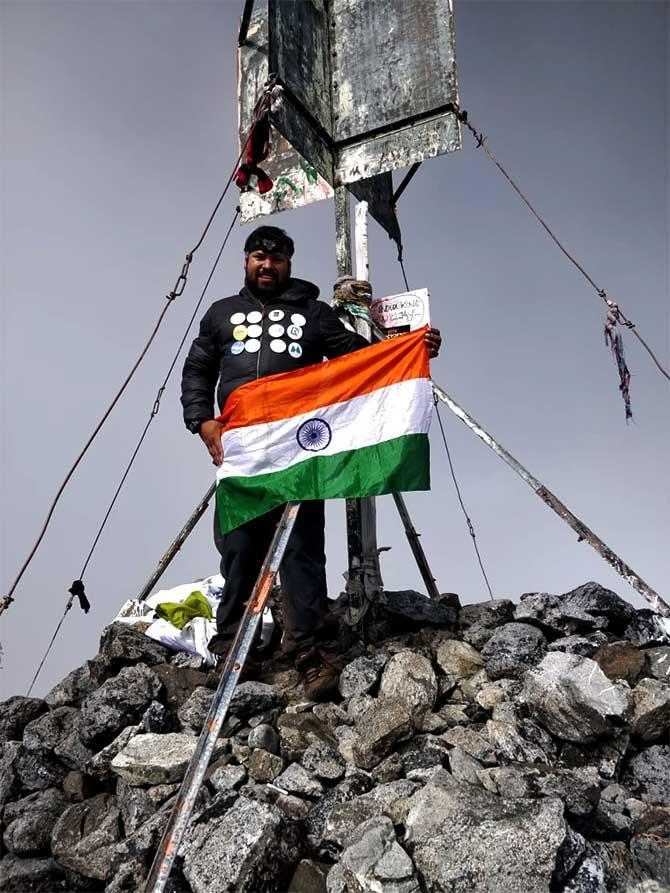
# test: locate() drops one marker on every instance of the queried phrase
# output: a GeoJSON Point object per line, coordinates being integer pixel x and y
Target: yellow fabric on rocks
{"type": "Point", "coordinates": [179, 613]}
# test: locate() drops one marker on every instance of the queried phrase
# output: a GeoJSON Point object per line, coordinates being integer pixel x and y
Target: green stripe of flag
{"type": "Point", "coordinates": [395, 466]}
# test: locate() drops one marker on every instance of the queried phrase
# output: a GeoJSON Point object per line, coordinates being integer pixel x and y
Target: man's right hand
{"type": "Point", "coordinates": [210, 434]}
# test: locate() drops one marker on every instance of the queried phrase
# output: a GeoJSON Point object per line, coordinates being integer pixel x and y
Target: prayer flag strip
{"type": "Point", "coordinates": [354, 426]}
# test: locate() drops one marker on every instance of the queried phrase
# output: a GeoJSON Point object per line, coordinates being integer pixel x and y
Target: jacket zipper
{"type": "Point", "coordinates": [258, 357]}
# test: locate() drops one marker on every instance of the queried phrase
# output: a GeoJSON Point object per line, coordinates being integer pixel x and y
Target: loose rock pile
{"type": "Point", "coordinates": [492, 748]}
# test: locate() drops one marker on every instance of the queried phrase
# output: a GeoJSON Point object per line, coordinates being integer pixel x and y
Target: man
{"type": "Point", "coordinates": [275, 324]}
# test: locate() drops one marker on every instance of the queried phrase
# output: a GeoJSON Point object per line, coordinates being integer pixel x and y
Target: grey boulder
{"type": "Point", "coordinates": [41, 875]}
{"type": "Point", "coordinates": [30, 821]}
{"type": "Point", "coordinates": [463, 838]}
{"type": "Point", "coordinates": [76, 687]}
{"type": "Point", "coordinates": [512, 649]}
{"type": "Point", "coordinates": [15, 714]}
{"type": "Point", "coordinates": [251, 698]}
{"type": "Point", "coordinates": [295, 779]}
{"type": "Point", "coordinates": [252, 847]}
{"type": "Point", "coordinates": [150, 759]}
{"type": "Point", "coordinates": [587, 608]}
{"type": "Point", "coordinates": [193, 712]}
{"type": "Point", "coordinates": [121, 646]}
{"type": "Point", "coordinates": [323, 761]}
{"type": "Point", "coordinates": [480, 621]}
{"type": "Point", "coordinates": [409, 677]}
{"type": "Point", "coordinates": [583, 645]}
{"type": "Point", "coordinates": [84, 837]}
{"type": "Point", "coordinates": [375, 862]}
{"type": "Point", "coordinates": [658, 662]}
{"type": "Point", "coordinates": [380, 727]}
{"type": "Point", "coordinates": [408, 609]}
{"type": "Point", "coordinates": [458, 660]}
{"type": "Point", "coordinates": [57, 732]}
{"type": "Point", "coordinates": [361, 675]}
{"type": "Point", "coordinates": [574, 700]}
{"type": "Point", "coordinates": [647, 776]}
{"type": "Point", "coordinates": [648, 628]}
{"type": "Point", "coordinates": [119, 702]}
{"type": "Point", "coordinates": [651, 709]}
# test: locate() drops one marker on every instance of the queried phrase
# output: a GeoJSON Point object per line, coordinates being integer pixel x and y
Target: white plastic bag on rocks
{"type": "Point", "coordinates": [195, 635]}
{"type": "Point", "coordinates": [192, 638]}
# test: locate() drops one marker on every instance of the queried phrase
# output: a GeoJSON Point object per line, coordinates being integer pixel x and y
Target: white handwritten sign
{"type": "Point", "coordinates": [402, 313]}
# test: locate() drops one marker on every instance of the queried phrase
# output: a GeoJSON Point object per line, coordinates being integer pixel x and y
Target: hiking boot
{"type": "Point", "coordinates": [319, 673]}
{"type": "Point", "coordinates": [253, 665]}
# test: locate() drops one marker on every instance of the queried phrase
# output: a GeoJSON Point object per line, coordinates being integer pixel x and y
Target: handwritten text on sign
{"type": "Point", "coordinates": [402, 313]}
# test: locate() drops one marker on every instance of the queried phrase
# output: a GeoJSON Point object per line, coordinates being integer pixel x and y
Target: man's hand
{"type": "Point", "coordinates": [210, 434]}
{"type": "Point", "coordinates": [433, 341]}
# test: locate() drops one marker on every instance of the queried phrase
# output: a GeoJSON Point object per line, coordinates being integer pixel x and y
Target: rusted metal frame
{"type": "Point", "coordinates": [393, 126]}
{"type": "Point", "coordinates": [334, 145]}
{"type": "Point", "coordinates": [584, 533]}
{"type": "Point", "coordinates": [177, 543]}
{"type": "Point", "coordinates": [307, 116]}
{"type": "Point", "coordinates": [244, 24]}
{"type": "Point", "coordinates": [405, 182]}
{"type": "Point", "coordinates": [195, 773]}
{"type": "Point", "coordinates": [416, 547]}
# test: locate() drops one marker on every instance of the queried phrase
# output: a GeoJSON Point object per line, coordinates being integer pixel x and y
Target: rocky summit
{"type": "Point", "coordinates": [499, 747]}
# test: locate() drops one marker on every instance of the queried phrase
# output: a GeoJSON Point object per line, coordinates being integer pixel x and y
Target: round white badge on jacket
{"type": "Point", "coordinates": [254, 331]}
{"type": "Point", "coordinates": [298, 319]}
{"type": "Point", "coordinates": [278, 346]}
{"type": "Point", "coordinates": [254, 316]}
{"type": "Point", "coordinates": [252, 345]}
{"type": "Point", "coordinates": [295, 350]}
{"type": "Point", "coordinates": [275, 315]}
{"type": "Point", "coordinates": [294, 332]}
{"type": "Point", "coordinates": [276, 331]}
{"type": "Point", "coordinates": [237, 318]}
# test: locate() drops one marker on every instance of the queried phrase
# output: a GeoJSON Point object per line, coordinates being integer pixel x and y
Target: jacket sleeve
{"type": "Point", "coordinates": [200, 374]}
{"type": "Point", "coordinates": [335, 337]}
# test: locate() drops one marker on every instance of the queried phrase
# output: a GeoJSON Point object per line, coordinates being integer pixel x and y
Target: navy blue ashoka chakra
{"type": "Point", "coordinates": [314, 435]}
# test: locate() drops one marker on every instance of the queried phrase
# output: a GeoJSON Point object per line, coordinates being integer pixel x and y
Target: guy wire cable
{"type": "Point", "coordinates": [614, 312]}
{"type": "Point", "coordinates": [176, 292]}
{"type": "Point", "coordinates": [78, 590]}
{"type": "Point", "coordinates": [471, 528]}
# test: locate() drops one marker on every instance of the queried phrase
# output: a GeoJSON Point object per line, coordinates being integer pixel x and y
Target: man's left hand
{"type": "Point", "coordinates": [433, 342]}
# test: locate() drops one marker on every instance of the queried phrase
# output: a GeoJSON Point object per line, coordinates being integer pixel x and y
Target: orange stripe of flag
{"type": "Point", "coordinates": [287, 394]}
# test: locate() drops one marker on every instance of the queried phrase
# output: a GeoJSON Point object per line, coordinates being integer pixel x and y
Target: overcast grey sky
{"type": "Point", "coordinates": [118, 132]}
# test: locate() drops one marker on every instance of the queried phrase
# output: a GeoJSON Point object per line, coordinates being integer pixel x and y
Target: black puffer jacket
{"type": "Point", "coordinates": [242, 338]}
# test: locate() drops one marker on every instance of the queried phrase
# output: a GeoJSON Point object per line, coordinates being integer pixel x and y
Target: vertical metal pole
{"type": "Point", "coordinates": [195, 773]}
{"type": "Point", "coordinates": [416, 547]}
{"type": "Point", "coordinates": [364, 578]}
{"type": "Point", "coordinates": [342, 231]}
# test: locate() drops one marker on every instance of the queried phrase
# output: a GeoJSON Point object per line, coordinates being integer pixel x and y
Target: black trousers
{"type": "Point", "coordinates": [303, 575]}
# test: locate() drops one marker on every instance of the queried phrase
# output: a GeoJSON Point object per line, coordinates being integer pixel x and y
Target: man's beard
{"type": "Point", "coordinates": [271, 290]}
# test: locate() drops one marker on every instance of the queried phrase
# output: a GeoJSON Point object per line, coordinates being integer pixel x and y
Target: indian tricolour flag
{"type": "Point", "coordinates": [350, 427]}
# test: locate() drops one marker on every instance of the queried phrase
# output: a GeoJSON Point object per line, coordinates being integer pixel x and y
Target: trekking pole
{"type": "Point", "coordinates": [177, 543]}
{"type": "Point", "coordinates": [195, 773]}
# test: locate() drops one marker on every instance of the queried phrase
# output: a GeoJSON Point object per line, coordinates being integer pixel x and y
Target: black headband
{"type": "Point", "coordinates": [270, 240]}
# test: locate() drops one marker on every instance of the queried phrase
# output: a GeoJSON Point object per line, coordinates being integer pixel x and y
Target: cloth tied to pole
{"type": "Point", "coordinates": [77, 590]}
{"type": "Point", "coordinates": [615, 341]}
{"type": "Point", "coordinates": [257, 146]}
{"type": "Point", "coordinates": [354, 296]}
